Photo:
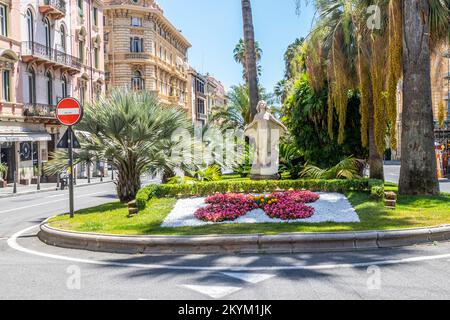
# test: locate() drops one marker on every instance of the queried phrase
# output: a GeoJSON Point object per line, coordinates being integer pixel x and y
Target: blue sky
{"type": "Point", "coordinates": [215, 26]}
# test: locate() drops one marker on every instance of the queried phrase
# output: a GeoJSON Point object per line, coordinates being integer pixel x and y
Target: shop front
{"type": "Point", "coordinates": [23, 149]}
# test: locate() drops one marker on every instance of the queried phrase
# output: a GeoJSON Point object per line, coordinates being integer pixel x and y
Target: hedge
{"type": "Point", "coordinates": [375, 187]}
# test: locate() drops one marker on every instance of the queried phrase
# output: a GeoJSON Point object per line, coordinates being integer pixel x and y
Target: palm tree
{"type": "Point", "coordinates": [84, 156]}
{"type": "Point", "coordinates": [237, 113]}
{"type": "Point", "coordinates": [250, 56]}
{"type": "Point", "coordinates": [133, 130]}
{"type": "Point", "coordinates": [425, 22]}
{"type": "Point", "coordinates": [240, 57]}
{"type": "Point", "coordinates": [342, 52]}
{"type": "Point", "coordinates": [413, 28]}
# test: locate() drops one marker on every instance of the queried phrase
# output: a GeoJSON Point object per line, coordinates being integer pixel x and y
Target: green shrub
{"type": "Point", "coordinates": [224, 186]}
{"type": "Point", "coordinates": [377, 189]}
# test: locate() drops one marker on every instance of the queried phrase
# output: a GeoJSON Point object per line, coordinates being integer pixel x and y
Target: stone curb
{"type": "Point", "coordinates": [10, 195]}
{"type": "Point", "coordinates": [258, 243]}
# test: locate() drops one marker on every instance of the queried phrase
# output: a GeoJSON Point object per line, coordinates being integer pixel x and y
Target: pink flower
{"type": "Point", "coordinates": [289, 205]}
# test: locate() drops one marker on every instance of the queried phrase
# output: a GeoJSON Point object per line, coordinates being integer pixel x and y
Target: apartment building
{"type": "Point", "coordinates": [144, 51]}
{"type": "Point", "coordinates": [205, 94]}
{"type": "Point", "coordinates": [50, 49]}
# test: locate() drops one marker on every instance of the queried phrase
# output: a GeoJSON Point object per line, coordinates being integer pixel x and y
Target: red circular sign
{"type": "Point", "coordinates": [69, 111]}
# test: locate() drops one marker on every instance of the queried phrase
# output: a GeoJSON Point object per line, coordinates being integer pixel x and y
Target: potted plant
{"type": "Point", "coordinates": [3, 172]}
{"type": "Point", "coordinates": [34, 179]}
{"type": "Point", "coordinates": [23, 181]}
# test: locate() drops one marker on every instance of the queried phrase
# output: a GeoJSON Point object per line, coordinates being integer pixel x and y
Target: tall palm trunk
{"type": "Point", "coordinates": [418, 171]}
{"type": "Point", "coordinates": [250, 56]}
{"type": "Point", "coordinates": [376, 170]}
{"type": "Point", "coordinates": [128, 182]}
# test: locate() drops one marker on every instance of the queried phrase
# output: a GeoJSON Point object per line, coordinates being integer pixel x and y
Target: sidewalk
{"type": "Point", "coordinates": [45, 187]}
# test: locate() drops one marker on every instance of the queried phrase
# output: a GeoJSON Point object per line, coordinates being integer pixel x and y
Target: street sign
{"type": "Point", "coordinates": [69, 111]}
{"type": "Point", "coordinates": [64, 142]}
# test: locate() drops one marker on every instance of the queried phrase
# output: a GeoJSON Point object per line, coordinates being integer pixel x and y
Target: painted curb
{"type": "Point", "coordinates": [257, 243]}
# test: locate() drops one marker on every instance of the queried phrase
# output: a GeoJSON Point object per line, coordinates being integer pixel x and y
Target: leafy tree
{"type": "Point", "coordinates": [305, 114]}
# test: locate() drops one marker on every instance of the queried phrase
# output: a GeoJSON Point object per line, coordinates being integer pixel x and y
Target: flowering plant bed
{"type": "Point", "coordinates": [289, 205]}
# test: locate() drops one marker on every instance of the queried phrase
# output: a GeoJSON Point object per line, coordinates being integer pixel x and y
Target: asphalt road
{"type": "Point", "coordinates": [392, 174]}
{"type": "Point", "coordinates": [31, 270]}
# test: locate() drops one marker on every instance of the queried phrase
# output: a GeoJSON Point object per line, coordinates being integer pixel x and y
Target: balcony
{"type": "Point", "coordinates": [41, 54]}
{"type": "Point", "coordinates": [56, 9]}
{"type": "Point", "coordinates": [40, 112]}
{"type": "Point", "coordinates": [137, 56]}
{"type": "Point", "coordinates": [10, 109]}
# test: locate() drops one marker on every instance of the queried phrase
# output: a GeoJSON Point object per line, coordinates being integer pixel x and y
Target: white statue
{"type": "Point", "coordinates": [265, 132]}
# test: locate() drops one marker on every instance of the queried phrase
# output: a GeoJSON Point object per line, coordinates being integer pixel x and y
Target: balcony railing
{"type": "Point", "coordinates": [38, 110]}
{"type": "Point", "coordinates": [41, 51]}
{"type": "Point", "coordinates": [137, 56]}
{"type": "Point", "coordinates": [55, 8]}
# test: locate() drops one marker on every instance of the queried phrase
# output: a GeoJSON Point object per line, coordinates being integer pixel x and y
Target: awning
{"type": "Point", "coordinates": [24, 136]}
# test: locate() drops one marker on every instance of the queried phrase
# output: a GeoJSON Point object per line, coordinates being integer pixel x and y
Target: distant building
{"type": "Point", "coordinates": [205, 94]}
{"type": "Point", "coordinates": [145, 51]}
{"type": "Point", "coordinates": [49, 49]}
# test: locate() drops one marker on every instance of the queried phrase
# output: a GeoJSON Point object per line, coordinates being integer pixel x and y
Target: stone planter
{"type": "Point", "coordinates": [34, 180]}
{"type": "Point", "coordinates": [24, 182]}
{"type": "Point", "coordinates": [3, 184]}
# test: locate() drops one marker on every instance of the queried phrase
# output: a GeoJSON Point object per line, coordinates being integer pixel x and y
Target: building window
{"type": "Point", "coordinates": [199, 86]}
{"type": "Point", "coordinates": [6, 90]}
{"type": "Point", "coordinates": [3, 20]}
{"type": "Point", "coordinates": [63, 38]}
{"type": "Point", "coordinates": [95, 15]}
{"type": "Point", "coordinates": [200, 106]}
{"type": "Point", "coordinates": [137, 82]}
{"type": "Point", "coordinates": [81, 50]}
{"type": "Point", "coordinates": [30, 27]}
{"type": "Point", "coordinates": [136, 22]}
{"type": "Point", "coordinates": [136, 44]}
{"type": "Point", "coordinates": [64, 92]}
{"type": "Point", "coordinates": [80, 7]}
{"type": "Point", "coordinates": [82, 92]}
{"type": "Point", "coordinates": [96, 58]}
{"type": "Point", "coordinates": [31, 87]}
{"type": "Point", "coordinates": [49, 79]}
{"type": "Point", "coordinates": [47, 30]}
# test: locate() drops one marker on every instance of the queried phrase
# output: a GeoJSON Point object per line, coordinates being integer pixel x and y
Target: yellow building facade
{"type": "Point", "coordinates": [144, 51]}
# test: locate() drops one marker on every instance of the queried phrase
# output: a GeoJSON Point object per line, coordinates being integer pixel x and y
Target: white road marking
{"type": "Point", "coordinates": [216, 292]}
{"type": "Point", "coordinates": [49, 202]}
{"type": "Point", "coordinates": [57, 195]}
{"type": "Point", "coordinates": [68, 111]}
{"type": "Point", "coordinates": [12, 243]}
{"type": "Point", "coordinates": [249, 277]}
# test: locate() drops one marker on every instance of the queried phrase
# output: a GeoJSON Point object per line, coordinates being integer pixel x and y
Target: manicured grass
{"type": "Point", "coordinates": [411, 212]}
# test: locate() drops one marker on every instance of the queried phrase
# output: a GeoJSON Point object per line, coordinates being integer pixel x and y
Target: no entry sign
{"type": "Point", "coordinates": [69, 111]}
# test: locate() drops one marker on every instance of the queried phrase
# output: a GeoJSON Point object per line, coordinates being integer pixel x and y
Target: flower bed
{"type": "Point", "coordinates": [289, 205]}
{"type": "Point", "coordinates": [375, 187]}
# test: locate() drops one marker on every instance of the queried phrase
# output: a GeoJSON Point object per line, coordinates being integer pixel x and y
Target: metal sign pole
{"type": "Point", "coordinates": [70, 132]}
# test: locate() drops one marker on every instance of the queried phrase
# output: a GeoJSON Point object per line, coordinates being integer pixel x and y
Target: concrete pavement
{"type": "Point", "coordinates": [31, 270]}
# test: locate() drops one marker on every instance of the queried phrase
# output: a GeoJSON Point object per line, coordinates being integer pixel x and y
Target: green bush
{"type": "Point", "coordinates": [377, 189]}
{"type": "Point", "coordinates": [209, 188]}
